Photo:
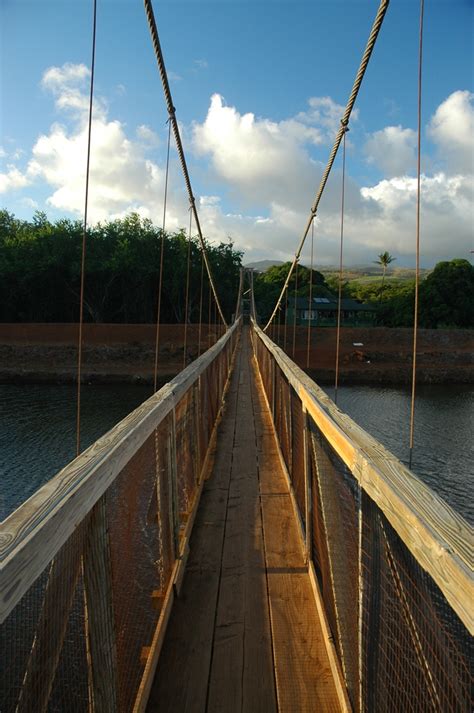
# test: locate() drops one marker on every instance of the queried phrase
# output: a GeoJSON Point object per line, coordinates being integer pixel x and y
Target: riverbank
{"type": "Point", "coordinates": [47, 353]}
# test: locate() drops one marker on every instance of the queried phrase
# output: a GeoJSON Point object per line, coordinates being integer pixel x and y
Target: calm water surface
{"type": "Point", "coordinates": [443, 453]}
{"type": "Point", "coordinates": [37, 432]}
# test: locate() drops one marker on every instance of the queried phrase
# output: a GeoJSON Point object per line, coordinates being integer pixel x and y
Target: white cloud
{"type": "Point", "coordinates": [392, 149]}
{"type": "Point", "coordinates": [452, 129]}
{"type": "Point", "coordinates": [268, 171]}
{"type": "Point", "coordinates": [327, 114]}
{"type": "Point", "coordinates": [29, 203]}
{"type": "Point", "coordinates": [12, 179]}
{"type": "Point", "coordinates": [262, 160]}
{"type": "Point", "coordinates": [148, 136]}
{"type": "Point", "coordinates": [201, 64]}
{"type": "Point", "coordinates": [122, 177]}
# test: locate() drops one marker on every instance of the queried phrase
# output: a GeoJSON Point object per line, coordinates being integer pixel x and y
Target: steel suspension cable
{"type": "Point", "coordinates": [310, 299]}
{"type": "Point", "coordinates": [179, 146]}
{"type": "Point", "coordinates": [344, 122]}
{"type": "Point", "coordinates": [294, 314]}
{"type": "Point", "coordinates": [418, 203]}
{"type": "Point", "coordinates": [162, 253]}
{"type": "Point", "coordinates": [84, 234]}
{"type": "Point", "coordinates": [188, 266]}
{"type": "Point", "coordinates": [209, 318]}
{"type": "Point", "coordinates": [200, 305]}
{"type": "Point", "coordinates": [341, 248]}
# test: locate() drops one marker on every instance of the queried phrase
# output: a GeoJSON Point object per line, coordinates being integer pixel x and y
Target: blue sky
{"type": "Point", "coordinates": [259, 88]}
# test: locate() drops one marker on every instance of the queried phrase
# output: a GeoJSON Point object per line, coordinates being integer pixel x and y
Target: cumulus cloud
{"type": "Point", "coordinates": [273, 164]}
{"type": "Point", "coordinates": [263, 160]}
{"type": "Point", "coordinates": [13, 178]}
{"type": "Point", "coordinates": [122, 176]}
{"type": "Point", "coordinates": [268, 171]}
{"type": "Point", "coordinates": [392, 149]}
{"type": "Point", "coordinates": [452, 129]}
{"type": "Point", "coordinates": [325, 113]}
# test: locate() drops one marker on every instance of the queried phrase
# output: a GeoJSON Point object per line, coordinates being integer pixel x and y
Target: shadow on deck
{"type": "Point", "coordinates": [244, 635]}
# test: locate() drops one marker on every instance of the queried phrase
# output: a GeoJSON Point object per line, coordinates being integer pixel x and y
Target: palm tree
{"type": "Point", "coordinates": [384, 260]}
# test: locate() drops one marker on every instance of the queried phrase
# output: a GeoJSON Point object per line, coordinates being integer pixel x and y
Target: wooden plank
{"type": "Point", "coordinates": [242, 677]}
{"type": "Point", "coordinates": [303, 671]}
{"type": "Point", "coordinates": [439, 538]}
{"type": "Point", "coordinates": [32, 535]}
{"type": "Point", "coordinates": [187, 645]}
{"type": "Point", "coordinates": [177, 576]}
{"type": "Point", "coordinates": [101, 647]}
{"type": "Point", "coordinates": [329, 644]}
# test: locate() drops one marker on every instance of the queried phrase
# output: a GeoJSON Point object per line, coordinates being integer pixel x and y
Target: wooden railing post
{"type": "Point", "coordinates": [308, 500]}
{"type": "Point", "coordinates": [100, 629]}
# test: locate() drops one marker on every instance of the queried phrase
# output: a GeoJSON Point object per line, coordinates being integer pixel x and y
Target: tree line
{"type": "Point", "coordinates": [446, 295]}
{"type": "Point", "coordinates": [40, 266]}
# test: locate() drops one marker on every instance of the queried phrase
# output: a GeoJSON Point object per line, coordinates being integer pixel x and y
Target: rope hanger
{"type": "Point", "coordinates": [179, 146]}
{"type": "Point", "coordinates": [84, 234]}
{"type": "Point", "coordinates": [344, 123]}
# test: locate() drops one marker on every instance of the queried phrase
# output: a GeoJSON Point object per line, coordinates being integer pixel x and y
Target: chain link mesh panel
{"type": "Point", "coordinates": [84, 629]}
{"type": "Point", "coordinates": [401, 646]}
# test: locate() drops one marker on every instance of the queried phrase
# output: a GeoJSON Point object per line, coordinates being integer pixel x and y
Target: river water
{"type": "Point", "coordinates": [37, 432]}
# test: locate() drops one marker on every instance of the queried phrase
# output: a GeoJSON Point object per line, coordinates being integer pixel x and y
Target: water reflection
{"type": "Point", "coordinates": [37, 431]}
{"type": "Point", "coordinates": [443, 452]}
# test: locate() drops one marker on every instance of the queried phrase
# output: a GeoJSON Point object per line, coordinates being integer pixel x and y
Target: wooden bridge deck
{"type": "Point", "coordinates": [244, 634]}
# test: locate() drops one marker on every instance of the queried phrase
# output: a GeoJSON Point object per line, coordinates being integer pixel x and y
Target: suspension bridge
{"type": "Point", "coordinates": [236, 543]}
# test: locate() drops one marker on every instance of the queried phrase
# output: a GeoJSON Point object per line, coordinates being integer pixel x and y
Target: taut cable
{"type": "Point", "coordinates": [160, 278]}
{"type": "Point", "coordinates": [179, 145]}
{"type": "Point", "coordinates": [417, 272]}
{"type": "Point", "coordinates": [341, 248]}
{"type": "Point", "coordinates": [310, 299]}
{"type": "Point", "coordinates": [344, 122]}
{"type": "Point", "coordinates": [84, 235]}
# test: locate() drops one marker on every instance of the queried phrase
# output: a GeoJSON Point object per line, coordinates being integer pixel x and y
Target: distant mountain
{"type": "Point", "coordinates": [262, 265]}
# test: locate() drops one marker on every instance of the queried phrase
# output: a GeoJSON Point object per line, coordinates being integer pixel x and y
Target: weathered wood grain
{"type": "Point", "coordinates": [438, 537]}
{"type": "Point", "coordinates": [187, 645]}
{"type": "Point", "coordinates": [32, 535]}
{"type": "Point", "coordinates": [304, 673]}
{"type": "Point", "coordinates": [242, 677]}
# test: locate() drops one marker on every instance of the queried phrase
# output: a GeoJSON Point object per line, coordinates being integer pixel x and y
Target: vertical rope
{"type": "Point", "coordinates": [162, 252]}
{"type": "Point", "coordinates": [188, 265]}
{"type": "Point", "coordinates": [417, 272]}
{"type": "Point", "coordinates": [286, 320]}
{"type": "Point", "coordinates": [278, 325]}
{"type": "Point", "coordinates": [209, 319]}
{"type": "Point", "coordinates": [200, 305]}
{"type": "Point", "coordinates": [310, 300]}
{"type": "Point", "coordinates": [338, 330]}
{"type": "Point", "coordinates": [84, 235]}
{"type": "Point", "coordinates": [294, 315]}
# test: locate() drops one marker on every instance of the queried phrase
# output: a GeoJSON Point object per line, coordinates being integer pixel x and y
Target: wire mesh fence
{"type": "Point", "coordinates": [400, 642]}
{"type": "Point", "coordinates": [83, 634]}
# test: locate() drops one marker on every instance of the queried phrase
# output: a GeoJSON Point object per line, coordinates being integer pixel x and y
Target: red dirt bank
{"type": "Point", "coordinates": [125, 353]}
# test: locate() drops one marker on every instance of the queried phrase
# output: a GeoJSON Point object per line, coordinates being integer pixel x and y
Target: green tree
{"type": "Point", "coordinates": [384, 260]}
{"type": "Point", "coordinates": [447, 296]}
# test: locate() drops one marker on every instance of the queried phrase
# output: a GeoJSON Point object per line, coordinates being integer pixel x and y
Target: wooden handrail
{"type": "Point", "coordinates": [438, 537]}
{"type": "Point", "coordinates": [32, 535]}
